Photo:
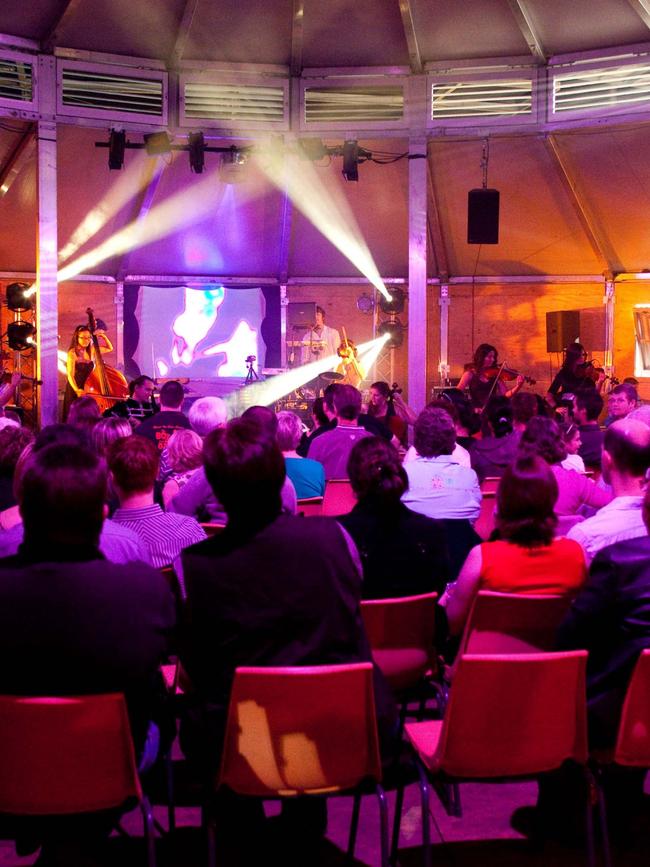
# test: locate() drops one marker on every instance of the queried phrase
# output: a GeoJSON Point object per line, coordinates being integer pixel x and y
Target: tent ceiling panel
{"type": "Point", "coordinates": [18, 216]}
{"type": "Point", "coordinates": [539, 232]}
{"type": "Point", "coordinates": [30, 20]}
{"type": "Point", "coordinates": [378, 203]}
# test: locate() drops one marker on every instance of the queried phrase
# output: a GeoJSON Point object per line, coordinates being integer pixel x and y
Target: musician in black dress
{"type": "Point", "coordinates": [479, 378]}
{"type": "Point", "coordinates": [574, 375]}
{"type": "Point", "coordinates": [81, 361]}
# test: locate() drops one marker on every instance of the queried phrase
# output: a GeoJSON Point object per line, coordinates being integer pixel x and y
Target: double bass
{"type": "Point", "coordinates": [105, 384]}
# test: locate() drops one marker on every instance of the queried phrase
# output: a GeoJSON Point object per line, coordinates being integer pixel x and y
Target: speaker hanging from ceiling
{"type": "Point", "coordinates": [483, 208]}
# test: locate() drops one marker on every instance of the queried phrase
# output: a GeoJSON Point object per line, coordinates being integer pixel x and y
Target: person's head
{"type": "Point", "coordinates": [445, 405]}
{"type": "Point", "coordinates": [588, 406]}
{"type": "Point", "coordinates": [499, 415]}
{"type": "Point", "coordinates": [524, 407]}
{"type": "Point", "coordinates": [206, 414]}
{"type": "Point", "coordinates": [142, 389]}
{"type": "Point", "coordinates": [571, 437]}
{"type": "Point", "coordinates": [61, 496]}
{"type": "Point", "coordinates": [81, 338]}
{"type": "Point", "coordinates": [542, 437]}
{"type": "Point", "coordinates": [574, 355]}
{"type": "Point", "coordinates": [13, 441]}
{"type": "Point", "coordinates": [289, 430]}
{"type": "Point", "coordinates": [376, 472]}
{"type": "Point", "coordinates": [379, 396]}
{"type": "Point", "coordinates": [320, 317]}
{"type": "Point", "coordinates": [626, 451]}
{"type": "Point", "coordinates": [83, 407]}
{"type": "Point", "coordinates": [60, 435]}
{"type": "Point", "coordinates": [184, 451]}
{"type": "Point", "coordinates": [318, 412]}
{"type": "Point", "coordinates": [133, 462]}
{"type": "Point", "coordinates": [468, 420]}
{"type": "Point", "coordinates": [328, 399]}
{"type": "Point", "coordinates": [526, 498]}
{"type": "Point", "coordinates": [622, 400]}
{"type": "Point", "coordinates": [171, 395]}
{"type": "Point", "coordinates": [106, 431]}
{"type": "Point", "coordinates": [641, 413]}
{"type": "Point", "coordinates": [435, 433]}
{"type": "Point", "coordinates": [265, 419]}
{"type": "Point", "coordinates": [246, 471]}
{"type": "Point", "coordinates": [347, 402]}
{"type": "Point", "coordinates": [486, 355]}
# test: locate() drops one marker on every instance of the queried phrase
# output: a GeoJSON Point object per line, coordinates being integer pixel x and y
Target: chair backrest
{"type": "Point", "coordinates": [490, 484]}
{"type": "Point", "coordinates": [565, 522]}
{"type": "Point", "coordinates": [633, 741]}
{"type": "Point", "coordinates": [292, 731]}
{"type": "Point", "coordinates": [486, 520]}
{"type": "Point", "coordinates": [513, 622]}
{"type": "Point", "coordinates": [65, 755]}
{"type": "Point", "coordinates": [514, 715]}
{"type": "Point", "coordinates": [213, 528]}
{"type": "Point", "coordinates": [310, 506]}
{"type": "Point", "coordinates": [408, 621]}
{"type": "Point", "coordinates": [339, 498]}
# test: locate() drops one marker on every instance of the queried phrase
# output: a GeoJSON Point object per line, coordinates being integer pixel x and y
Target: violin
{"type": "Point", "coordinates": [591, 370]}
{"type": "Point", "coordinates": [505, 374]}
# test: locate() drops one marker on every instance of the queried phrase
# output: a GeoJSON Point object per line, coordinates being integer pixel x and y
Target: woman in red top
{"type": "Point", "coordinates": [526, 559]}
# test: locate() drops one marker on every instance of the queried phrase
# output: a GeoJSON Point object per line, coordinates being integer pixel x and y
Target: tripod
{"type": "Point", "coordinates": [251, 375]}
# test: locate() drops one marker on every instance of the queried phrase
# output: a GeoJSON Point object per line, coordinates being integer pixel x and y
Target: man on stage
{"type": "Point", "coordinates": [320, 341]}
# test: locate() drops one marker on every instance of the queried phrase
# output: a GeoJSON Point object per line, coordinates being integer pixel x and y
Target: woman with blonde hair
{"type": "Point", "coordinates": [106, 431]}
{"type": "Point", "coordinates": [184, 457]}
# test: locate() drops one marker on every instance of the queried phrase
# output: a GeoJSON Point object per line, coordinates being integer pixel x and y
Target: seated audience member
{"type": "Point", "coordinates": [543, 437]}
{"type": "Point", "coordinates": [307, 475]}
{"type": "Point", "coordinates": [271, 590]}
{"type": "Point", "coordinates": [496, 451]}
{"type": "Point", "coordinates": [626, 458]}
{"type": "Point", "coordinates": [133, 462]}
{"type": "Point", "coordinates": [117, 544]}
{"type": "Point", "coordinates": [107, 431]}
{"type": "Point", "coordinates": [320, 422]}
{"type": "Point", "coordinates": [333, 448]}
{"type": "Point", "coordinates": [641, 413]}
{"type": "Point", "coordinates": [402, 553]}
{"type": "Point", "coordinates": [13, 441]}
{"type": "Point", "coordinates": [206, 414]}
{"type": "Point", "coordinates": [572, 442]}
{"type": "Point", "coordinates": [72, 623]}
{"type": "Point", "coordinates": [197, 497]}
{"type": "Point", "coordinates": [459, 454]}
{"type": "Point", "coordinates": [621, 400]}
{"type": "Point", "coordinates": [588, 407]}
{"type": "Point", "coordinates": [388, 407]}
{"type": "Point", "coordinates": [526, 559]}
{"type": "Point", "coordinates": [140, 403]}
{"type": "Point", "coordinates": [184, 457]}
{"type": "Point", "coordinates": [524, 406]}
{"type": "Point", "coordinates": [81, 409]}
{"type": "Point", "coordinates": [439, 487]}
{"type": "Point", "coordinates": [159, 427]}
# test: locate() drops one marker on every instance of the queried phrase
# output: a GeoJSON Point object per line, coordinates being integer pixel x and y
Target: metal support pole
{"type": "Point", "coordinates": [609, 299]}
{"type": "Point", "coordinates": [417, 332]}
{"type": "Point", "coordinates": [283, 324]}
{"type": "Point", "coordinates": [47, 308]}
{"type": "Point", "coordinates": [119, 324]}
{"type": "Point", "coordinates": [444, 302]}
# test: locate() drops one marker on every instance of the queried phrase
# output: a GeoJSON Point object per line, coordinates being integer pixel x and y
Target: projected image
{"type": "Point", "coordinates": [198, 333]}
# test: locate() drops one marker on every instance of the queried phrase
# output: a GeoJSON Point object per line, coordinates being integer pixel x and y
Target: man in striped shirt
{"type": "Point", "coordinates": [133, 462]}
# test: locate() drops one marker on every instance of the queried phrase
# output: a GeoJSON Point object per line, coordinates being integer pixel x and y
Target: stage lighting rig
{"type": "Point", "coordinates": [395, 331]}
{"type": "Point", "coordinates": [20, 336]}
{"type": "Point", "coordinates": [196, 148]}
{"type": "Point", "coordinates": [157, 144]}
{"type": "Point", "coordinates": [396, 303]}
{"type": "Point", "coordinates": [20, 297]}
{"type": "Point", "coordinates": [116, 147]}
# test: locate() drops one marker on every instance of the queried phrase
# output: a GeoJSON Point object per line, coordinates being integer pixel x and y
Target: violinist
{"type": "Point", "coordinates": [576, 374]}
{"type": "Point", "coordinates": [479, 379]}
{"type": "Point", "coordinates": [81, 361]}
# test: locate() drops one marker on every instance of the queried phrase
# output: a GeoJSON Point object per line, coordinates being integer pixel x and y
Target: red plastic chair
{"type": "Point", "coordinates": [486, 521]}
{"type": "Point", "coordinates": [310, 506]}
{"type": "Point", "coordinates": [303, 732]}
{"type": "Point", "coordinates": [213, 528]}
{"type": "Point", "coordinates": [339, 498]}
{"type": "Point", "coordinates": [63, 756]}
{"type": "Point", "coordinates": [508, 716]}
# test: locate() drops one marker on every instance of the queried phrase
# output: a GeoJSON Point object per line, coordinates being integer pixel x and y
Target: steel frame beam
{"type": "Point", "coordinates": [297, 32]}
{"type": "Point", "coordinates": [417, 332]}
{"type": "Point", "coordinates": [525, 24]}
{"type": "Point", "coordinates": [183, 33]}
{"type": "Point", "coordinates": [642, 9]}
{"type": "Point", "coordinates": [66, 14]}
{"type": "Point", "coordinates": [415, 58]}
{"type": "Point", "coordinates": [22, 153]}
{"type": "Point", "coordinates": [435, 229]}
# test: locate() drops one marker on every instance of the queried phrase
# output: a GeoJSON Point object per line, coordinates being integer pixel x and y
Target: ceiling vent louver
{"type": "Point", "coordinates": [16, 82]}
{"type": "Point", "coordinates": [103, 92]}
{"type": "Point", "coordinates": [601, 88]}
{"type": "Point", "coordinates": [353, 104]}
{"type": "Point", "coordinates": [499, 98]}
{"type": "Point", "coordinates": [239, 103]}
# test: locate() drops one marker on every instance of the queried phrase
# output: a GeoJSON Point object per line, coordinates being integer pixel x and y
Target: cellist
{"type": "Point", "coordinates": [81, 361]}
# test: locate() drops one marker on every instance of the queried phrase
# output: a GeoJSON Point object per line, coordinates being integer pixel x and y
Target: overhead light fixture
{"type": "Point", "coordinates": [197, 152]}
{"type": "Point", "coordinates": [365, 303]}
{"type": "Point", "coordinates": [20, 297]}
{"type": "Point", "coordinates": [312, 149]}
{"type": "Point", "coordinates": [232, 169]}
{"type": "Point", "coordinates": [116, 146]}
{"type": "Point", "coordinates": [395, 331]}
{"type": "Point", "coordinates": [157, 143]}
{"type": "Point", "coordinates": [351, 160]}
{"type": "Point", "coordinates": [20, 336]}
{"type": "Point", "coordinates": [396, 303]}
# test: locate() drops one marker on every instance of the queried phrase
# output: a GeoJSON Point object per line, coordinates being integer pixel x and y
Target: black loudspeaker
{"type": "Point", "coordinates": [562, 328]}
{"type": "Point", "coordinates": [483, 217]}
{"type": "Point", "coordinates": [301, 315]}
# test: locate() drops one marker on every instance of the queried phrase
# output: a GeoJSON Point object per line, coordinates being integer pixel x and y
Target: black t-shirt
{"type": "Point", "coordinates": [159, 427]}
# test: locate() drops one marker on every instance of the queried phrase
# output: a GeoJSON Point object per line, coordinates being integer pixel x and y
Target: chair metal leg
{"type": "Point", "coordinates": [397, 821]}
{"type": "Point", "coordinates": [147, 821]}
{"type": "Point", "coordinates": [169, 774]}
{"type": "Point", "coordinates": [383, 820]}
{"type": "Point", "coordinates": [424, 799]}
{"type": "Point", "coordinates": [354, 824]}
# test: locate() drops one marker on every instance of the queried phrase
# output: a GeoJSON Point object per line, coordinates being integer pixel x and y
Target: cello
{"type": "Point", "coordinates": [105, 384]}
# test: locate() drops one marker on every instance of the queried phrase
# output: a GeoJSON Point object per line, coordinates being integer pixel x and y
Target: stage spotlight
{"type": "Point", "coordinates": [157, 143]}
{"type": "Point", "coordinates": [365, 304]}
{"type": "Point", "coordinates": [116, 146]}
{"type": "Point", "coordinates": [20, 336]}
{"type": "Point", "coordinates": [311, 149]}
{"type": "Point", "coordinates": [232, 169]}
{"type": "Point", "coordinates": [19, 297]}
{"type": "Point", "coordinates": [351, 160]}
{"type": "Point", "coordinates": [197, 152]}
{"type": "Point", "coordinates": [396, 303]}
{"type": "Point", "coordinates": [394, 330]}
